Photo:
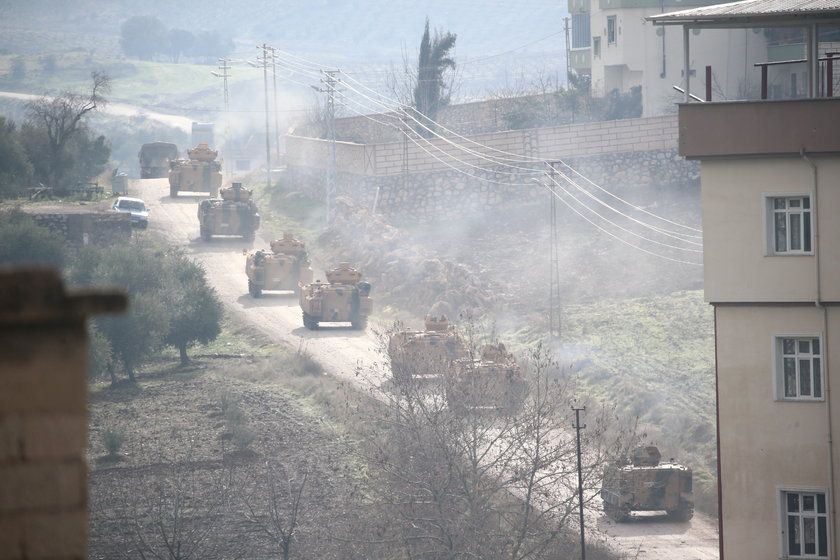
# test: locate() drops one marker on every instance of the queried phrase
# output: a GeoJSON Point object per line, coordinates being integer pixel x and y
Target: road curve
{"type": "Point", "coordinates": [342, 351]}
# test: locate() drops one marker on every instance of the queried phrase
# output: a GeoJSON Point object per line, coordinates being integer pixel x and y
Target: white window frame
{"type": "Point", "coordinates": [782, 493]}
{"type": "Point", "coordinates": [779, 370]}
{"type": "Point", "coordinates": [770, 224]}
{"type": "Point", "coordinates": [614, 20]}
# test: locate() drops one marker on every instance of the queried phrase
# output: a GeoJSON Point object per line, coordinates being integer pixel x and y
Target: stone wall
{"type": "Point", "coordinates": [438, 180]}
{"type": "Point", "coordinates": [435, 195]}
{"type": "Point", "coordinates": [43, 415]}
{"type": "Point", "coordinates": [88, 227]}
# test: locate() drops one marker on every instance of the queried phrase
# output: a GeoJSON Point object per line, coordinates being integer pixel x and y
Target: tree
{"type": "Point", "coordinates": [23, 242]}
{"type": "Point", "coordinates": [15, 168]}
{"type": "Point", "coordinates": [431, 91]}
{"type": "Point", "coordinates": [143, 37]}
{"type": "Point", "coordinates": [196, 308]}
{"type": "Point", "coordinates": [180, 42]}
{"type": "Point", "coordinates": [60, 119]}
{"type": "Point", "coordinates": [211, 45]}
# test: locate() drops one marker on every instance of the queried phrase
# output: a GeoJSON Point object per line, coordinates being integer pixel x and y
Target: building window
{"type": "Point", "coordinates": [596, 47]}
{"type": "Point", "coordinates": [805, 524]}
{"type": "Point", "coordinates": [790, 224]}
{"type": "Point", "coordinates": [798, 367]}
{"type": "Point", "coordinates": [610, 30]}
{"type": "Point", "coordinates": [581, 34]}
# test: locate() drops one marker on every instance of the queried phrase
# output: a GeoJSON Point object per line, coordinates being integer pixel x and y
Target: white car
{"type": "Point", "coordinates": [135, 207]}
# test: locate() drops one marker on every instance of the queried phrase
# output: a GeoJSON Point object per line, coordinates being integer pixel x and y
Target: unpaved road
{"type": "Point", "coordinates": [342, 351]}
{"type": "Point", "coordinates": [121, 110]}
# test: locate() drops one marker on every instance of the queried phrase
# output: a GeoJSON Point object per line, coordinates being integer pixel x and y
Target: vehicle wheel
{"type": "Point", "coordinates": [359, 323]}
{"type": "Point", "coordinates": [616, 513]}
{"type": "Point", "coordinates": [249, 237]}
{"type": "Point", "coordinates": [205, 234]}
{"type": "Point", "coordinates": [683, 514]}
{"type": "Point", "coordinates": [254, 290]}
{"type": "Point", "coordinates": [173, 192]}
{"type": "Point", "coordinates": [309, 321]}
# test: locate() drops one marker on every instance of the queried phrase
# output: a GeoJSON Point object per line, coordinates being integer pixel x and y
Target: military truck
{"type": "Point", "coordinates": [491, 382]}
{"type": "Point", "coordinates": [343, 298]}
{"type": "Point", "coordinates": [232, 213]}
{"type": "Point", "coordinates": [199, 173]}
{"type": "Point", "coordinates": [285, 268]}
{"type": "Point", "coordinates": [646, 484]}
{"type": "Point", "coordinates": [423, 355]}
{"type": "Point", "coordinates": [155, 159]}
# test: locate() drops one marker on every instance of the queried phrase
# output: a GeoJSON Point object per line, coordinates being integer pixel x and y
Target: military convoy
{"type": "Point", "coordinates": [343, 298]}
{"type": "Point", "coordinates": [492, 382]}
{"type": "Point", "coordinates": [285, 268]}
{"type": "Point", "coordinates": [647, 484]}
{"type": "Point", "coordinates": [200, 173]}
{"type": "Point", "coordinates": [232, 213]}
{"type": "Point", "coordinates": [156, 158]}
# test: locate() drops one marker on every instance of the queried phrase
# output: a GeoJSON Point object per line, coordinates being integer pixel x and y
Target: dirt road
{"type": "Point", "coordinates": [342, 351]}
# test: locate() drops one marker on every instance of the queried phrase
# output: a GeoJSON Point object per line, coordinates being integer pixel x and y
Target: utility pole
{"type": "Point", "coordinates": [330, 81]}
{"type": "Point", "coordinates": [265, 49]}
{"type": "Point", "coordinates": [578, 427]}
{"type": "Point", "coordinates": [276, 110]}
{"type": "Point", "coordinates": [555, 319]}
{"type": "Point", "coordinates": [224, 74]}
{"type": "Point", "coordinates": [568, 52]}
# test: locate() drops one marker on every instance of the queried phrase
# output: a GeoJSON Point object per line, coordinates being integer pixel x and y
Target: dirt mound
{"type": "Point", "coordinates": [402, 272]}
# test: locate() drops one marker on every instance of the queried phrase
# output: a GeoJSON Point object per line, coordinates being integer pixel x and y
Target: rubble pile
{"type": "Point", "coordinates": [404, 274]}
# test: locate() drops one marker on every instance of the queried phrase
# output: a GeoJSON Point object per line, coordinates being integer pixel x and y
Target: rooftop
{"type": "Point", "coordinates": [755, 12]}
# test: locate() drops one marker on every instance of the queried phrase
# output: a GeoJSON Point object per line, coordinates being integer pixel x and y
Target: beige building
{"type": "Point", "coordinates": [770, 174]}
{"type": "Point", "coordinates": [619, 50]}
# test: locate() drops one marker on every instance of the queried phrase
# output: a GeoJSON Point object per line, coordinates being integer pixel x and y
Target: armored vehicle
{"type": "Point", "coordinates": [646, 484]}
{"type": "Point", "coordinates": [343, 298]}
{"type": "Point", "coordinates": [233, 213]}
{"type": "Point", "coordinates": [492, 382]}
{"type": "Point", "coordinates": [286, 267]}
{"type": "Point", "coordinates": [199, 173]}
{"type": "Point", "coordinates": [155, 158]}
{"type": "Point", "coordinates": [427, 354]}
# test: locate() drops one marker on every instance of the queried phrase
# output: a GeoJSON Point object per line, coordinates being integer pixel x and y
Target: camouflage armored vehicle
{"type": "Point", "coordinates": [155, 158]}
{"type": "Point", "coordinates": [492, 382]}
{"type": "Point", "coordinates": [646, 484]}
{"type": "Point", "coordinates": [344, 298]}
{"type": "Point", "coordinates": [427, 354]}
{"type": "Point", "coordinates": [200, 173]}
{"type": "Point", "coordinates": [233, 213]}
{"type": "Point", "coordinates": [285, 268]}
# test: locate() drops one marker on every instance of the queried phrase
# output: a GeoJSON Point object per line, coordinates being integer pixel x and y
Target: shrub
{"type": "Point", "coordinates": [302, 363]}
{"type": "Point", "coordinates": [113, 441]}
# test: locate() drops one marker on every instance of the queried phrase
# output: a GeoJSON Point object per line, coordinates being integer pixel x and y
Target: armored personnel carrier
{"type": "Point", "coordinates": [285, 268]}
{"type": "Point", "coordinates": [427, 354]}
{"type": "Point", "coordinates": [647, 484]}
{"type": "Point", "coordinates": [155, 159]}
{"type": "Point", "coordinates": [492, 382]}
{"type": "Point", "coordinates": [200, 173]}
{"type": "Point", "coordinates": [233, 213]}
{"type": "Point", "coordinates": [344, 298]}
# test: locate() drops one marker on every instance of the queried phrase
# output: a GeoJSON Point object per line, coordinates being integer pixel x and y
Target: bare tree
{"type": "Point", "coordinates": [61, 118]}
{"type": "Point", "coordinates": [487, 482]}
{"type": "Point", "coordinates": [275, 509]}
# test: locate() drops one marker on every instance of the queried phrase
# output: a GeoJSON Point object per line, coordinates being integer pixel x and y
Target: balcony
{"type": "Point", "coordinates": [759, 128]}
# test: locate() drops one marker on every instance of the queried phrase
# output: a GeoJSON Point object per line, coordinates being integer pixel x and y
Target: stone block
{"type": "Point", "coordinates": [54, 436]}
{"type": "Point", "coordinates": [28, 486]}
{"type": "Point", "coordinates": [55, 535]}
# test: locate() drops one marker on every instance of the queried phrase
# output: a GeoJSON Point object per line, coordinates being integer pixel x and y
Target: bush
{"type": "Point", "coordinates": [23, 242]}
{"type": "Point", "coordinates": [242, 437]}
{"type": "Point", "coordinates": [113, 441]}
{"type": "Point", "coordinates": [302, 363]}
{"type": "Point", "coordinates": [100, 356]}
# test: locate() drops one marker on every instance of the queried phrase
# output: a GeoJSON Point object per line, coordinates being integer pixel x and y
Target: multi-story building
{"type": "Point", "coordinates": [613, 44]}
{"type": "Point", "coordinates": [770, 175]}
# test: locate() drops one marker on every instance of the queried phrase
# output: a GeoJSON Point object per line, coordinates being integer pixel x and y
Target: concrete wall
{"type": "Point", "coordinates": [43, 416]}
{"type": "Point", "coordinates": [768, 445]}
{"type": "Point", "coordinates": [737, 263]}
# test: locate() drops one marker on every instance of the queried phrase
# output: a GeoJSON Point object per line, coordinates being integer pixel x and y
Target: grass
{"type": "Point", "coordinates": [133, 81]}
